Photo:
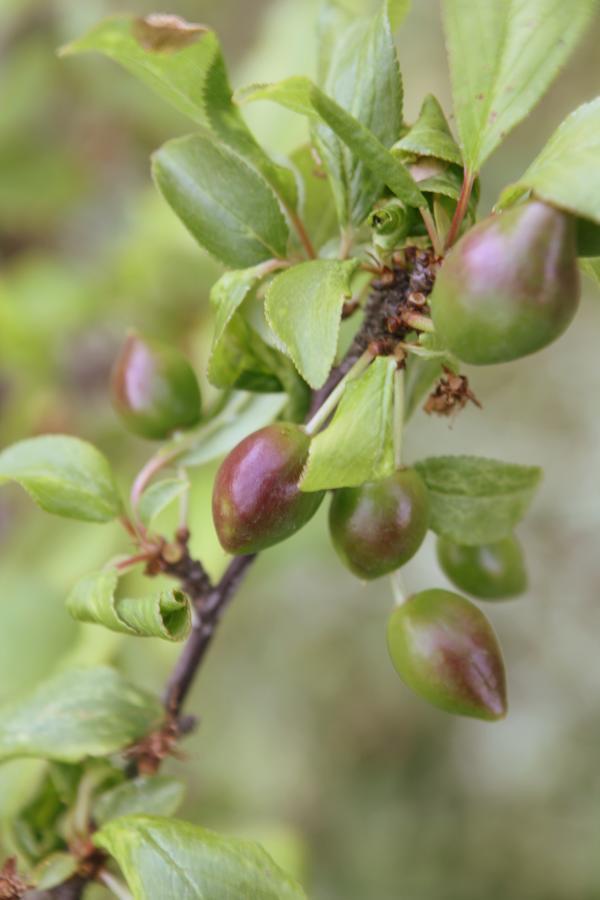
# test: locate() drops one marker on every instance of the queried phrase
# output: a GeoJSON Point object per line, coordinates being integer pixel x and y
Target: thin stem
{"type": "Point", "coordinates": [114, 885]}
{"type": "Point", "coordinates": [432, 231]}
{"type": "Point", "coordinates": [346, 242]}
{"type": "Point", "coordinates": [184, 500]}
{"type": "Point", "coordinates": [418, 322]}
{"type": "Point", "coordinates": [330, 403]}
{"type": "Point", "coordinates": [461, 208]}
{"type": "Point", "coordinates": [398, 416]}
{"type": "Point", "coordinates": [398, 588]}
{"type": "Point", "coordinates": [301, 232]}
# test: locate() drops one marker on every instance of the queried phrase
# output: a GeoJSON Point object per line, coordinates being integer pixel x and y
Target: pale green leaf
{"type": "Point", "coordinates": [64, 475]}
{"type": "Point", "coordinates": [304, 306]}
{"type": "Point", "coordinates": [316, 203]}
{"type": "Point", "coordinates": [76, 714]}
{"type": "Point", "coordinates": [503, 55]}
{"type": "Point", "coordinates": [243, 414]}
{"type": "Point", "coordinates": [475, 500]}
{"type": "Point", "coordinates": [430, 135]}
{"type": "Point", "coordinates": [227, 206]}
{"type": "Point", "coordinates": [357, 445]}
{"type": "Point", "coordinates": [53, 870]}
{"type": "Point", "coordinates": [173, 859]}
{"type": "Point", "coordinates": [567, 171]}
{"type": "Point", "coordinates": [154, 795]}
{"type": "Point", "coordinates": [591, 267]}
{"type": "Point", "coordinates": [159, 496]}
{"type": "Point", "coordinates": [165, 614]}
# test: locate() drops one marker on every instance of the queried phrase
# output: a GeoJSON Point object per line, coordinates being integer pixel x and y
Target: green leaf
{"type": "Point", "coordinates": [155, 795]}
{"type": "Point", "coordinates": [166, 614]}
{"type": "Point", "coordinates": [65, 476]}
{"type": "Point", "coordinates": [169, 858]}
{"type": "Point", "coordinates": [316, 201]}
{"type": "Point", "coordinates": [183, 63]}
{"type": "Point", "coordinates": [431, 135]}
{"type": "Point", "coordinates": [591, 267]}
{"type": "Point", "coordinates": [567, 171]}
{"type": "Point", "coordinates": [358, 444]}
{"type": "Point", "coordinates": [159, 496]}
{"type": "Point", "coordinates": [78, 713]}
{"type": "Point", "coordinates": [53, 870]}
{"type": "Point", "coordinates": [588, 238]}
{"type": "Point", "coordinates": [304, 307]}
{"type": "Point", "coordinates": [227, 206]}
{"type": "Point", "coordinates": [302, 96]}
{"type": "Point", "coordinates": [503, 55]}
{"type": "Point", "coordinates": [475, 500]}
{"type": "Point", "coordinates": [358, 69]}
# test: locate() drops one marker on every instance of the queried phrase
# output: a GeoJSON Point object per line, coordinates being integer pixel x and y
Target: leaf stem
{"type": "Point", "coordinates": [398, 416]}
{"type": "Point", "coordinates": [461, 208]}
{"type": "Point", "coordinates": [114, 885]}
{"type": "Point", "coordinates": [398, 588]}
{"type": "Point", "coordinates": [330, 403]}
{"type": "Point", "coordinates": [418, 321]}
{"type": "Point", "coordinates": [301, 232]}
{"type": "Point", "coordinates": [432, 231]}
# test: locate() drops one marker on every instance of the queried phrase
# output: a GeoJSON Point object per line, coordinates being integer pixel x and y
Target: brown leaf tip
{"type": "Point", "coordinates": [163, 33]}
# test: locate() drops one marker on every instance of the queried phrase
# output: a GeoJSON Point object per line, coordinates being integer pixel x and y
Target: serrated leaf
{"type": "Point", "coordinates": [503, 55]}
{"type": "Point", "coordinates": [567, 171]}
{"type": "Point", "coordinates": [65, 476]}
{"type": "Point", "coordinates": [76, 714]}
{"type": "Point", "coordinates": [302, 96]}
{"type": "Point", "coordinates": [476, 500]}
{"type": "Point", "coordinates": [53, 870]}
{"type": "Point", "coordinates": [243, 414]}
{"type": "Point", "coordinates": [227, 206]}
{"type": "Point", "coordinates": [155, 795]}
{"type": "Point", "coordinates": [357, 445]}
{"type": "Point", "coordinates": [591, 267]}
{"type": "Point", "coordinates": [169, 858]}
{"type": "Point", "coordinates": [303, 306]}
{"type": "Point", "coordinates": [166, 614]}
{"type": "Point", "coordinates": [159, 496]}
{"type": "Point", "coordinates": [430, 135]}
{"type": "Point", "coordinates": [183, 63]}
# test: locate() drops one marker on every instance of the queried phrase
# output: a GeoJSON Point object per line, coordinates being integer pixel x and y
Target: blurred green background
{"type": "Point", "coordinates": [308, 741]}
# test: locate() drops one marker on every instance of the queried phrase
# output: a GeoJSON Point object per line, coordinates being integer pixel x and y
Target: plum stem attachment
{"type": "Point", "coordinates": [398, 416]}
{"type": "Point", "coordinates": [418, 322]}
{"type": "Point", "coordinates": [432, 231]}
{"type": "Point", "coordinates": [329, 405]}
{"type": "Point", "coordinates": [461, 208]}
{"type": "Point", "coordinates": [398, 588]}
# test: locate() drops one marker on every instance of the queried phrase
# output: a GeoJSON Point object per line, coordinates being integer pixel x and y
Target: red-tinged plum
{"type": "Point", "coordinates": [445, 650]}
{"type": "Point", "coordinates": [154, 389]}
{"type": "Point", "coordinates": [379, 526]}
{"type": "Point", "coordinates": [488, 571]}
{"type": "Point", "coordinates": [256, 498]}
{"type": "Point", "coordinates": [509, 287]}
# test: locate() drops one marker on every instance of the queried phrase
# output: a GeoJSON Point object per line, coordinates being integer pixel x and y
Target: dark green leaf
{"type": "Point", "coordinates": [75, 714]}
{"type": "Point", "coordinates": [475, 500]}
{"type": "Point", "coordinates": [431, 135]}
{"type": "Point", "coordinates": [588, 238]}
{"type": "Point", "coordinates": [155, 795]}
{"type": "Point", "coordinates": [64, 475]}
{"type": "Point", "coordinates": [503, 55]}
{"type": "Point", "coordinates": [227, 206]}
{"type": "Point", "coordinates": [172, 859]}
{"type": "Point", "coordinates": [357, 445]}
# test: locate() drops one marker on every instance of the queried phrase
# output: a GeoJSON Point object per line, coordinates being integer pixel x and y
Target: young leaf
{"type": "Point", "coordinates": [357, 446]}
{"type": "Point", "coordinates": [431, 135]}
{"type": "Point", "coordinates": [183, 63]}
{"type": "Point", "coordinates": [156, 795]}
{"type": "Point", "coordinates": [158, 496]}
{"type": "Point", "coordinates": [304, 306]}
{"type": "Point", "coordinates": [75, 714]}
{"type": "Point", "coordinates": [503, 55]}
{"type": "Point", "coordinates": [64, 475]}
{"type": "Point", "coordinates": [475, 500]}
{"type": "Point", "coordinates": [166, 614]}
{"type": "Point", "coordinates": [359, 70]}
{"type": "Point", "coordinates": [243, 414]}
{"type": "Point", "coordinates": [567, 171]}
{"type": "Point", "coordinates": [302, 96]}
{"type": "Point", "coordinates": [169, 858]}
{"type": "Point", "coordinates": [53, 870]}
{"type": "Point", "coordinates": [227, 206]}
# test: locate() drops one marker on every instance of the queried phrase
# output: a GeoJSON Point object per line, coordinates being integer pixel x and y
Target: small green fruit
{"type": "Point", "coordinates": [379, 526]}
{"type": "Point", "coordinates": [154, 389]}
{"type": "Point", "coordinates": [444, 648]}
{"type": "Point", "coordinates": [509, 287]}
{"type": "Point", "coordinates": [256, 498]}
{"type": "Point", "coordinates": [489, 571]}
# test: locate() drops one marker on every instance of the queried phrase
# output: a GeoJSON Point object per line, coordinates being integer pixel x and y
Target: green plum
{"type": "Point", "coordinates": [445, 650]}
{"type": "Point", "coordinates": [380, 525]}
{"type": "Point", "coordinates": [509, 287]}
{"type": "Point", "coordinates": [488, 571]}
{"type": "Point", "coordinates": [154, 389]}
{"type": "Point", "coordinates": [256, 499]}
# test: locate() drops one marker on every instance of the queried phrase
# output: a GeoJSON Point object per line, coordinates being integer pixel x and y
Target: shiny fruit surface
{"type": "Point", "coordinates": [509, 287]}
{"type": "Point", "coordinates": [488, 571]}
{"type": "Point", "coordinates": [154, 389]}
{"type": "Point", "coordinates": [445, 650]}
{"type": "Point", "coordinates": [256, 499]}
{"type": "Point", "coordinates": [380, 525]}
